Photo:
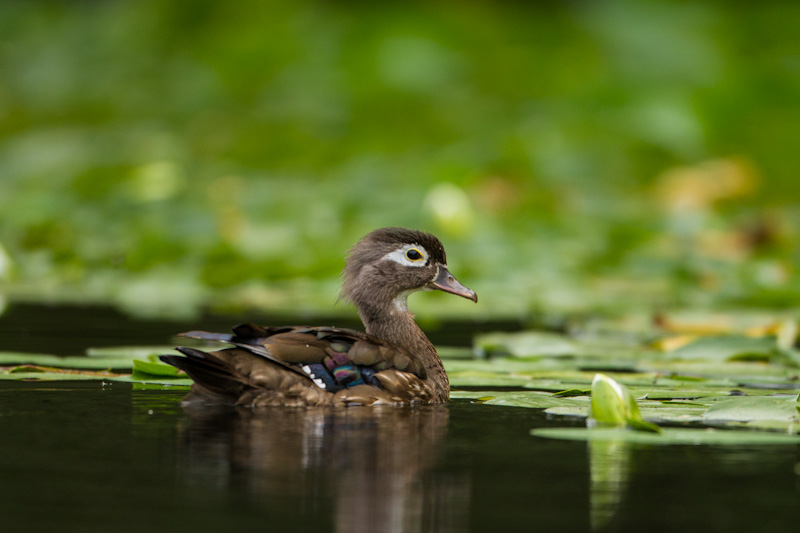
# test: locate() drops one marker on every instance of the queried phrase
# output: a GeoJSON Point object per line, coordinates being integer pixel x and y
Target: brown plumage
{"type": "Point", "coordinates": [392, 363]}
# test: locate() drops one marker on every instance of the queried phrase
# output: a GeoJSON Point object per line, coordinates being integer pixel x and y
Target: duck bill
{"type": "Point", "coordinates": [446, 282]}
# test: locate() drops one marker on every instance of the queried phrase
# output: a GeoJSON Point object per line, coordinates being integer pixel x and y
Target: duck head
{"type": "Point", "coordinates": [388, 264]}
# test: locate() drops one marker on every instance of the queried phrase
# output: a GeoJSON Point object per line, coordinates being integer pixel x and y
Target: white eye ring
{"type": "Point", "coordinates": [401, 256]}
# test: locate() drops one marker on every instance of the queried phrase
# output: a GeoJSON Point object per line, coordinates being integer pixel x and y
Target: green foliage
{"type": "Point", "coordinates": [613, 405]}
{"type": "Point", "coordinates": [146, 369]}
{"type": "Point", "coordinates": [662, 378]}
{"type": "Point", "coordinates": [756, 409]}
{"type": "Point", "coordinates": [137, 364]}
{"type": "Point", "coordinates": [685, 437]}
{"type": "Point", "coordinates": [571, 156]}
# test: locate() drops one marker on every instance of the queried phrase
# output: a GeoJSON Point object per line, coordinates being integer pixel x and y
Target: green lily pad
{"type": "Point", "coordinates": [128, 352]}
{"type": "Point", "coordinates": [728, 348]}
{"type": "Point", "coordinates": [683, 394]}
{"type": "Point", "coordinates": [531, 399]}
{"type": "Point", "coordinates": [572, 392]}
{"type": "Point", "coordinates": [526, 344]}
{"type": "Point", "coordinates": [161, 386]}
{"type": "Point", "coordinates": [98, 361]}
{"type": "Point", "coordinates": [154, 369]}
{"type": "Point", "coordinates": [762, 357]}
{"type": "Point", "coordinates": [477, 378]}
{"type": "Point", "coordinates": [69, 376]}
{"type": "Point", "coordinates": [570, 411]}
{"type": "Point", "coordinates": [669, 436]}
{"type": "Point", "coordinates": [783, 426]}
{"type": "Point", "coordinates": [49, 376]}
{"type": "Point", "coordinates": [747, 409]}
{"type": "Point", "coordinates": [155, 380]}
{"type": "Point", "coordinates": [472, 395]}
{"type": "Point", "coordinates": [80, 362]}
{"type": "Point", "coordinates": [445, 352]}
{"type": "Point", "coordinates": [503, 365]}
{"type": "Point", "coordinates": [657, 415]}
{"type": "Point", "coordinates": [680, 377]}
{"type": "Point", "coordinates": [675, 415]}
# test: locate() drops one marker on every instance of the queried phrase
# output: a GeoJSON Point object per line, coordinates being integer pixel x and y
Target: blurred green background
{"type": "Point", "coordinates": [167, 157]}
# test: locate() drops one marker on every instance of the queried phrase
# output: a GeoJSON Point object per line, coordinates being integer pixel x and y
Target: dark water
{"type": "Point", "coordinates": [69, 330]}
{"type": "Point", "coordinates": [88, 456]}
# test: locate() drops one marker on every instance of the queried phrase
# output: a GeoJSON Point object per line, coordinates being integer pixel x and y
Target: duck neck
{"type": "Point", "coordinates": [395, 324]}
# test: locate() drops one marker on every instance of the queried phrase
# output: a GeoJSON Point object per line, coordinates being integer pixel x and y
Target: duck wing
{"type": "Point", "coordinates": [300, 357]}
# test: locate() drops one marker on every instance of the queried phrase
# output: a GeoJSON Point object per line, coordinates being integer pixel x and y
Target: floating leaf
{"type": "Point", "coordinates": [756, 357]}
{"type": "Point", "coordinates": [154, 369]}
{"type": "Point", "coordinates": [572, 411]}
{"type": "Point", "coordinates": [655, 412]}
{"type": "Point", "coordinates": [79, 362]}
{"type": "Point", "coordinates": [37, 369]}
{"type": "Point", "coordinates": [160, 386]}
{"type": "Point", "coordinates": [27, 368]}
{"type": "Point", "coordinates": [747, 409]}
{"type": "Point", "coordinates": [471, 395]}
{"type": "Point", "coordinates": [783, 426]}
{"type": "Point", "coordinates": [726, 348]}
{"type": "Point", "coordinates": [532, 399]}
{"type": "Point", "coordinates": [670, 436]}
{"type": "Point", "coordinates": [155, 380]}
{"type": "Point", "coordinates": [572, 392]}
{"type": "Point", "coordinates": [478, 378]}
{"type": "Point", "coordinates": [683, 394]}
{"type": "Point", "coordinates": [128, 352]}
{"type": "Point", "coordinates": [680, 377]}
{"type": "Point", "coordinates": [445, 352]}
{"type": "Point", "coordinates": [50, 376]}
{"type": "Point", "coordinates": [526, 344]}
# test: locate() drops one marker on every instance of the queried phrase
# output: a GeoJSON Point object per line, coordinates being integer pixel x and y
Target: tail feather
{"type": "Point", "coordinates": [207, 371]}
{"type": "Point", "coordinates": [207, 336]}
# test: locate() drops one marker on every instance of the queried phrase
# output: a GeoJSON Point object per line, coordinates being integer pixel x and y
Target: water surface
{"type": "Point", "coordinates": [99, 456]}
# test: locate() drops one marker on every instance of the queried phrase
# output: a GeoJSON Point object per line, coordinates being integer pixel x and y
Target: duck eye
{"type": "Point", "coordinates": [413, 254]}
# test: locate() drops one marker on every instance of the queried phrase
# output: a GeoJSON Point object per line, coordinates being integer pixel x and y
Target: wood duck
{"type": "Point", "coordinates": [392, 363]}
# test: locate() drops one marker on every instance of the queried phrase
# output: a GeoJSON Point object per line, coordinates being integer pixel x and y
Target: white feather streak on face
{"type": "Point", "coordinates": [399, 256]}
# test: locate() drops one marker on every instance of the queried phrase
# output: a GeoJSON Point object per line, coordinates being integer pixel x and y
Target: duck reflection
{"type": "Point", "coordinates": [374, 468]}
